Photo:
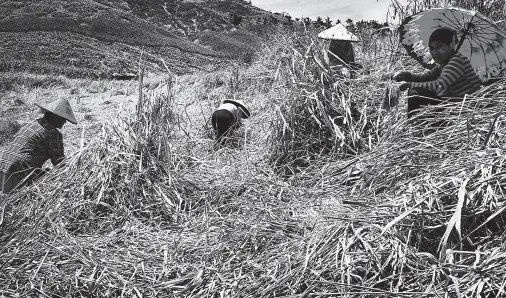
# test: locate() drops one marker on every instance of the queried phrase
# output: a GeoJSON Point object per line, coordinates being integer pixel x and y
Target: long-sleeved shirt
{"type": "Point", "coordinates": [32, 146]}
{"type": "Point", "coordinates": [453, 79]}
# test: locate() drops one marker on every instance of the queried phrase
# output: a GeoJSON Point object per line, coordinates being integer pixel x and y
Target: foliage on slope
{"type": "Point", "coordinates": [83, 38]}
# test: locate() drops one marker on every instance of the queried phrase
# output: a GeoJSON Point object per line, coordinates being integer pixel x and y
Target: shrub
{"type": "Point", "coordinates": [235, 19]}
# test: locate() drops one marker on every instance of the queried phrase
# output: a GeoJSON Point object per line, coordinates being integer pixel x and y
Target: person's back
{"type": "Point", "coordinates": [32, 146]}
{"type": "Point", "coordinates": [22, 160]}
{"type": "Point", "coordinates": [343, 49]}
{"type": "Point", "coordinates": [227, 117]}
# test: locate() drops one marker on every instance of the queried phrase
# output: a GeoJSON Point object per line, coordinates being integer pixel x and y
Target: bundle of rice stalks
{"type": "Point", "coordinates": [131, 172]}
{"type": "Point", "coordinates": [132, 214]}
{"type": "Point", "coordinates": [324, 113]}
{"type": "Point", "coordinates": [390, 96]}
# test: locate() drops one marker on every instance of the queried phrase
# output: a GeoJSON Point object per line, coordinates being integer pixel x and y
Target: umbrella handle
{"type": "Point", "coordinates": [464, 35]}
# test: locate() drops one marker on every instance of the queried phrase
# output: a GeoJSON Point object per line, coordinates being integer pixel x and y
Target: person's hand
{"type": "Point", "coordinates": [402, 76]}
{"type": "Point", "coordinates": [405, 86]}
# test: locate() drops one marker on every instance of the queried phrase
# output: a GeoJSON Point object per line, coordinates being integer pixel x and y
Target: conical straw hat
{"type": "Point", "coordinates": [60, 107]}
{"type": "Point", "coordinates": [338, 32]}
{"type": "Point", "coordinates": [240, 104]}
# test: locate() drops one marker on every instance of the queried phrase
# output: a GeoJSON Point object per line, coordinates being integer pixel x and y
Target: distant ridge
{"type": "Point", "coordinates": [82, 38]}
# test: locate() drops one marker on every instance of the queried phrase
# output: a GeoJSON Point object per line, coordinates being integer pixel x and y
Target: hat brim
{"type": "Point", "coordinates": [63, 116]}
{"type": "Point", "coordinates": [245, 112]}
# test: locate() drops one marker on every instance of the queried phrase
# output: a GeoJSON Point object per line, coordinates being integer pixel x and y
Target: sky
{"type": "Point", "coordinates": [334, 9]}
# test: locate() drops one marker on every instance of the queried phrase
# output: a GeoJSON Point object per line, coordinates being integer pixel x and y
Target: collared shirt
{"type": "Point", "coordinates": [32, 146]}
{"type": "Point", "coordinates": [455, 78]}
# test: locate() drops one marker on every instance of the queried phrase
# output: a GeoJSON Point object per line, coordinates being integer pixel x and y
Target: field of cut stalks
{"type": "Point", "coordinates": [326, 191]}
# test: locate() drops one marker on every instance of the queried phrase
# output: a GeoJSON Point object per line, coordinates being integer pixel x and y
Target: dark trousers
{"type": "Point", "coordinates": [420, 98]}
{"type": "Point", "coordinates": [9, 182]}
{"type": "Point", "coordinates": [223, 121]}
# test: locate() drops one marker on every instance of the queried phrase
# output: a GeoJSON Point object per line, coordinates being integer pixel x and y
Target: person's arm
{"type": "Point", "coordinates": [56, 151]}
{"type": "Point", "coordinates": [406, 76]}
{"type": "Point", "coordinates": [450, 73]}
{"type": "Point", "coordinates": [429, 75]}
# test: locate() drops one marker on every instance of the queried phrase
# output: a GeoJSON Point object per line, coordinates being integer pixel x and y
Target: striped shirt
{"type": "Point", "coordinates": [32, 146]}
{"type": "Point", "coordinates": [453, 79]}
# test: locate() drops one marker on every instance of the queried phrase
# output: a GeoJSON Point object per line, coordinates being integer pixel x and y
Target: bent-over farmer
{"type": "Point", "coordinates": [35, 143]}
{"type": "Point", "coordinates": [228, 117]}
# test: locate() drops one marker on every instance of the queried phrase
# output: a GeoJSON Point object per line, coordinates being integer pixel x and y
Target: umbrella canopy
{"type": "Point", "coordinates": [338, 32]}
{"type": "Point", "coordinates": [479, 38]}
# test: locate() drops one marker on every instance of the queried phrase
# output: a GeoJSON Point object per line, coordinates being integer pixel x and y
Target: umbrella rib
{"type": "Point", "coordinates": [452, 23]}
{"type": "Point", "coordinates": [486, 30]}
{"type": "Point", "coordinates": [484, 56]}
{"type": "Point", "coordinates": [482, 40]}
{"type": "Point", "coordinates": [488, 42]}
{"type": "Point", "coordinates": [462, 16]}
{"type": "Point", "coordinates": [488, 22]}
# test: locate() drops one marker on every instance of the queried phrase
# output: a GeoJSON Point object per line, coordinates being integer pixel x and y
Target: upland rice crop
{"type": "Point", "coordinates": [413, 210]}
{"type": "Point", "coordinates": [325, 112]}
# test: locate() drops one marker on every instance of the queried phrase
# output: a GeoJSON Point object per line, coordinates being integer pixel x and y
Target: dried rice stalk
{"type": "Point", "coordinates": [390, 96]}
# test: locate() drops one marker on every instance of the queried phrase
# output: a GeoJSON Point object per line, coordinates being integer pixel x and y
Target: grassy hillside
{"type": "Point", "coordinates": [81, 38]}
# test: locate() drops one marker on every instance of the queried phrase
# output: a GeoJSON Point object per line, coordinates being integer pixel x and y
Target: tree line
{"type": "Point", "coordinates": [318, 22]}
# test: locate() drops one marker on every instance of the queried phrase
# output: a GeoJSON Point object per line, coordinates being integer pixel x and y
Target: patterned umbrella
{"type": "Point", "coordinates": [479, 38]}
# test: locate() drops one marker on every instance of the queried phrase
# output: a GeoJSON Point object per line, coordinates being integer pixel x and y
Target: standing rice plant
{"type": "Point", "coordinates": [429, 210]}
{"type": "Point", "coordinates": [128, 173]}
{"type": "Point", "coordinates": [324, 113]}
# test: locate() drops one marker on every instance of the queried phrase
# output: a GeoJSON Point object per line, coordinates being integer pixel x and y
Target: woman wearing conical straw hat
{"type": "Point", "coordinates": [36, 142]}
{"type": "Point", "coordinates": [227, 117]}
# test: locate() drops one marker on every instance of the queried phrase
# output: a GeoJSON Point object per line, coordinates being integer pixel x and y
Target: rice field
{"type": "Point", "coordinates": [326, 191]}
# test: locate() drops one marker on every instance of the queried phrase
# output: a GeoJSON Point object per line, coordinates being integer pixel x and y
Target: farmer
{"type": "Point", "coordinates": [33, 145]}
{"type": "Point", "coordinates": [228, 117]}
{"type": "Point", "coordinates": [453, 76]}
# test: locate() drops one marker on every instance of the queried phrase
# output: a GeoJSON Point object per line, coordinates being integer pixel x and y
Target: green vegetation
{"type": "Point", "coordinates": [99, 38]}
{"type": "Point", "coordinates": [231, 44]}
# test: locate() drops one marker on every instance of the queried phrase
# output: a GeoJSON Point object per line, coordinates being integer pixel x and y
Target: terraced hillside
{"type": "Point", "coordinates": [99, 37]}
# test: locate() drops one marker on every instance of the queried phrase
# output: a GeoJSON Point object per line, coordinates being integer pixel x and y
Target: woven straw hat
{"type": "Point", "coordinates": [240, 104]}
{"type": "Point", "coordinates": [60, 107]}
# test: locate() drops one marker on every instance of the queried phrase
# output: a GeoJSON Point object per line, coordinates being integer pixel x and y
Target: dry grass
{"type": "Point", "coordinates": [8, 127]}
{"type": "Point", "coordinates": [148, 209]}
{"type": "Point", "coordinates": [325, 113]}
{"type": "Point", "coordinates": [10, 81]}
